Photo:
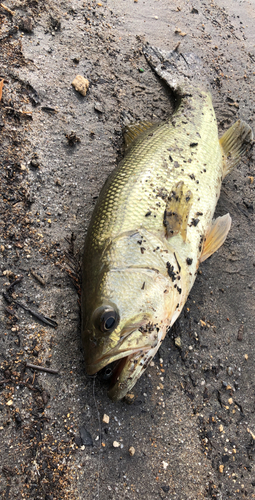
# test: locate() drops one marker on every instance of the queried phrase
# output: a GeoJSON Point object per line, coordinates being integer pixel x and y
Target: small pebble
{"type": "Point", "coordinates": [246, 356]}
{"type": "Point", "coordinates": [221, 428]}
{"type": "Point", "coordinates": [178, 341]}
{"type": "Point", "coordinates": [106, 419]}
{"type": "Point", "coordinates": [86, 437]}
{"type": "Point", "coordinates": [131, 451]}
{"type": "Point", "coordinates": [116, 444]}
{"type": "Point", "coordinates": [26, 24]}
{"type": "Point", "coordinates": [221, 468]}
{"type": "Point", "coordinates": [81, 84]}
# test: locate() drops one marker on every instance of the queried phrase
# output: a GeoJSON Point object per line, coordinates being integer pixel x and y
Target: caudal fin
{"type": "Point", "coordinates": [181, 72]}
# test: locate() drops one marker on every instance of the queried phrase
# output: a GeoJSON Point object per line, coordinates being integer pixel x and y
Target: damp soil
{"type": "Point", "coordinates": [187, 431]}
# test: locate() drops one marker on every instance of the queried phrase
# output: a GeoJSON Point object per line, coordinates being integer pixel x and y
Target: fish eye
{"type": "Point", "coordinates": [106, 319]}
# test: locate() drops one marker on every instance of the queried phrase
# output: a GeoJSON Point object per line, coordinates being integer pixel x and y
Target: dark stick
{"type": "Point", "coordinates": [41, 317]}
{"type": "Point", "coordinates": [41, 368]}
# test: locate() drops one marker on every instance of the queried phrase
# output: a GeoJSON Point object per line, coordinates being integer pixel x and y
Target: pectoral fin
{"type": "Point", "coordinates": [133, 131]}
{"type": "Point", "coordinates": [216, 236]}
{"type": "Point", "coordinates": [234, 143]}
{"type": "Point", "coordinates": [177, 211]}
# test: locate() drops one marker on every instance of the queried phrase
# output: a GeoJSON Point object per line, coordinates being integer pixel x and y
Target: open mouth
{"type": "Point", "coordinates": [112, 372]}
{"type": "Point", "coordinates": [121, 367]}
{"type": "Point", "coordinates": [122, 374]}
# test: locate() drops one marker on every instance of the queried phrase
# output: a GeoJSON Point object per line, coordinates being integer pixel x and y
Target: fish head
{"type": "Point", "coordinates": [124, 322]}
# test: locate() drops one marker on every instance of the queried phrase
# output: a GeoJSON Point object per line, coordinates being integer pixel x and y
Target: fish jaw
{"type": "Point", "coordinates": [132, 367]}
{"type": "Point", "coordinates": [131, 359]}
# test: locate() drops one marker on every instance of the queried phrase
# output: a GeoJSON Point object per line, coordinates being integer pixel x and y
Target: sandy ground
{"type": "Point", "coordinates": [191, 417]}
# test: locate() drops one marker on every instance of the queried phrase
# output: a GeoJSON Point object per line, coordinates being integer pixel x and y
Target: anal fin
{"type": "Point", "coordinates": [177, 211]}
{"type": "Point", "coordinates": [234, 143]}
{"type": "Point", "coordinates": [216, 236]}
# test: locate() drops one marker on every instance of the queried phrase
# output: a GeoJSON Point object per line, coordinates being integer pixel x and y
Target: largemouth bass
{"type": "Point", "coordinates": [153, 225]}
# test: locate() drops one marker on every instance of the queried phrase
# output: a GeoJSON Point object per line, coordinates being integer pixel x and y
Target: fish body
{"type": "Point", "coordinates": [153, 225]}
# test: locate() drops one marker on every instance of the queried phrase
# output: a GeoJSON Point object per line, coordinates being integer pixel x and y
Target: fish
{"type": "Point", "coordinates": [153, 224]}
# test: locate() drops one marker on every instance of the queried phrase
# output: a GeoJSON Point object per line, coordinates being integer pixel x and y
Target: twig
{"type": "Point", "coordinates": [41, 317]}
{"type": "Point", "coordinates": [1, 89]}
{"type": "Point", "coordinates": [7, 9]}
{"type": "Point", "coordinates": [10, 312]}
{"type": "Point", "coordinates": [15, 282]}
{"type": "Point", "coordinates": [37, 277]}
{"type": "Point", "coordinates": [42, 368]}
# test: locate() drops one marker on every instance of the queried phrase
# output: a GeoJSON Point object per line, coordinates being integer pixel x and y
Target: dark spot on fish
{"type": "Point", "coordinates": [192, 176]}
{"type": "Point", "coordinates": [142, 250]}
{"type": "Point", "coordinates": [148, 213]}
{"type": "Point", "coordinates": [170, 271]}
{"type": "Point", "coordinates": [193, 144]}
{"type": "Point", "coordinates": [170, 158]}
{"type": "Point", "coordinates": [177, 306]}
{"type": "Point", "coordinates": [179, 290]}
{"type": "Point", "coordinates": [189, 261]}
{"type": "Point", "coordinates": [143, 286]}
{"type": "Point", "coordinates": [189, 160]}
{"type": "Point", "coordinates": [151, 134]}
{"type": "Point", "coordinates": [187, 198]}
{"type": "Point", "coordinates": [197, 133]}
{"type": "Point", "coordinates": [139, 242]}
{"type": "Point", "coordinates": [194, 222]}
{"type": "Point", "coordinates": [199, 213]}
{"type": "Point", "coordinates": [176, 164]}
{"type": "Point", "coordinates": [201, 243]}
{"type": "Point", "coordinates": [197, 182]}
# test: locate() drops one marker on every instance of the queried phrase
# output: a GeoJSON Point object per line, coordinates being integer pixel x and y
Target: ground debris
{"type": "Point", "coordinates": [81, 84]}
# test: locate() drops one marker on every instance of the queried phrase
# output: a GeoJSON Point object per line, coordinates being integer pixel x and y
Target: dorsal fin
{"type": "Point", "coordinates": [133, 130]}
{"type": "Point", "coordinates": [177, 211]}
{"type": "Point", "coordinates": [234, 143]}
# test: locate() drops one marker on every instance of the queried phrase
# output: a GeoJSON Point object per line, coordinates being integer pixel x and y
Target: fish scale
{"type": "Point", "coordinates": [153, 225]}
{"type": "Point", "coordinates": [147, 169]}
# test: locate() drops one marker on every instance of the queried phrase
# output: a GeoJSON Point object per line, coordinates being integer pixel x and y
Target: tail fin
{"type": "Point", "coordinates": [181, 72]}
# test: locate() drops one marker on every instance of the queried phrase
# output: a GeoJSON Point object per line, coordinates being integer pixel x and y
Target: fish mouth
{"type": "Point", "coordinates": [121, 368]}
{"type": "Point", "coordinates": [123, 373]}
